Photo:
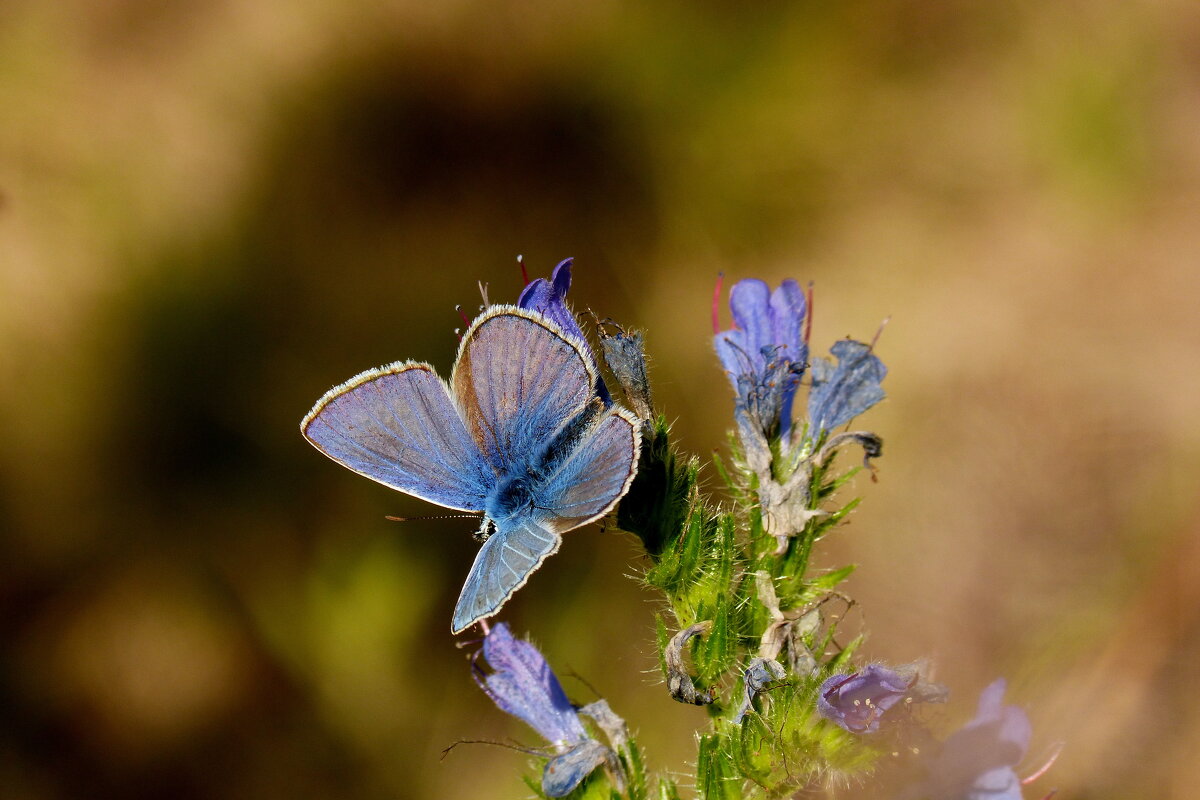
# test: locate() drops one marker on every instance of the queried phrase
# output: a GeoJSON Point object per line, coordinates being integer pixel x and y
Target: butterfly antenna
{"type": "Point", "coordinates": [432, 516]}
{"type": "Point", "coordinates": [527, 750]}
{"type": "Point", "coordinates": [524, 274]}
{"type": "Point", "coordinates": [584, 681]}
{"type": "Point", "coordinates": [716, 301]}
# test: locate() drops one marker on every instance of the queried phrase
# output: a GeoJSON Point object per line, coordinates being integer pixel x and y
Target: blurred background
{"type": "Point", "coordinates": [212, 211]}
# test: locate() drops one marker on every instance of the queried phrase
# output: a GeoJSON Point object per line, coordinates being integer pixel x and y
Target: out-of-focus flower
{"type": "Point", "coordinates": [977, 761]}
{"type": "Point", "coordinates": [764, 353]}
{"type": "Point", "coordinates": [842, 392]}
{"type": "Point", "coordinates": [857, 701]}
{"type": "Point", "coordinates": [522, 684]}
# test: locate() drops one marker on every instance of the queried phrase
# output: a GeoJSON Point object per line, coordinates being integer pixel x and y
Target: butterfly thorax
{"type": "Point", "coordinates": [511, 497]}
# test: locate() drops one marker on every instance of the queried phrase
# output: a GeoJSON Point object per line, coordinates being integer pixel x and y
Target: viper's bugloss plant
{"type": "Point", "coordinates": [749, 632]}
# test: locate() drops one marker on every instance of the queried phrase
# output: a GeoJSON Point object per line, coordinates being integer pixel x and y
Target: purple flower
{"type": "Point", "coordinates": [523, 685]}
{"type": "Point", "coordinates": [840, 393]}
{"type": "Point", "coordinates": [549, 298]}
{"type": "Point", "coordinates": [857, 701]}
{"type": "Point", "coordinates": [977, 761]}
{"type": "Point", "coordinates": [764, 353]}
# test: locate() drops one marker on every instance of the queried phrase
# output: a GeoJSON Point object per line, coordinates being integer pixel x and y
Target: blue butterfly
{"type": "Point", "coordinates": [519, 435]}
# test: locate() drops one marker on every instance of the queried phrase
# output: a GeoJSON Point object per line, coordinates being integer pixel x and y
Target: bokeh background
{"type": "Point", "coordinates": [211, 211]}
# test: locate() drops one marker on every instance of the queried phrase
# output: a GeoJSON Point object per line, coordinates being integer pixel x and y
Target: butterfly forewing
{"type": "Point", "coordinates": [501, 567]}
{"type": "Point", "coordinates": [397, 425]}
{"type": "Point", "coordinates": [518, 380]}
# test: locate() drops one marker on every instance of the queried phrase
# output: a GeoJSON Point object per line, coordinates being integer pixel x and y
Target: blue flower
{"type": "Point", "coordinates": [764, 353]}
{"type": "Point", "coordinates": [549, 298]}
{"type": "Point", "coordinates": [842, 392]}
{"type": "Point", "coordinates": [857, 701]}
{"type": "Point", "coordinates": [523, 685]}
{"type": "Point", "coordinates": [977, 761]}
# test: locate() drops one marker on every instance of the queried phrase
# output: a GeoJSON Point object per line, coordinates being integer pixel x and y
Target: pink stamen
{"type": "Point", "coordinates": [1044, 768]}
{"type": "Point", "coordinates": [465, 319]}
{"type": "Point", "coordinates": [716, 302]}
{"type": "Point", "coordinates": [878, 332]}
{"type": "Point", "coordinates": [486, 628]}
{"type": "Point", "coordinates": [808, 317]}
{"type": "Point", "coordinates": [524, 274]}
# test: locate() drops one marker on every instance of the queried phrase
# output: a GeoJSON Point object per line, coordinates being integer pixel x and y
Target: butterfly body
{"type": "Point", "coordinates": [517, 434]}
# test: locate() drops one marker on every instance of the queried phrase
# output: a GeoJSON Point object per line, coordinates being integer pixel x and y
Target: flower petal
{"type": "Point", "coordinates": [750, 303]}
{"type": "Point", "coordinates": [523, 685]}
{"type": "Point", "coordinates": [549, 297]}
{"type": "Point", "coordinates": [840, 393]}
{"type": "Point", "coordinates": [787, 312]}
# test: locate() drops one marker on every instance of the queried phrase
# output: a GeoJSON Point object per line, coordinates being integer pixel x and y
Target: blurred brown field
{"type": "Point", "coordinates": [210, 212]}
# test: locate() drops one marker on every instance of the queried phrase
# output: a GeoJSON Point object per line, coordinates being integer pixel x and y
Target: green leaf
{"type": "Point", "coordinates": [635, 771]}
{"type": "Point", "coordinates": [667, 789]}
{"type": "Point", "coordinates": [716, 776]}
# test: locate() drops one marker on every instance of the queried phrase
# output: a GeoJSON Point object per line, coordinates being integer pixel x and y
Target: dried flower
{"type": "Point", "coordinates": [679, 682]}
{"type": "Point", "coordinates": [761, 673]}
{"type": "Point", "coordinates": [842, 392]}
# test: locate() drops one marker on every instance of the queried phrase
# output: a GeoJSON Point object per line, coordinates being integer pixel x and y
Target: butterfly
{"type": "Point", "coordinates": [518, 434]}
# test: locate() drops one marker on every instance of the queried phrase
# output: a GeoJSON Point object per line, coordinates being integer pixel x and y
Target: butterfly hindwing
{"type": "Point", "coordinates": [502, 566]}
{"type": "Point", "coordinates": [592, 476]}
{"type": "Point", "coordinates": [398, 425]}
